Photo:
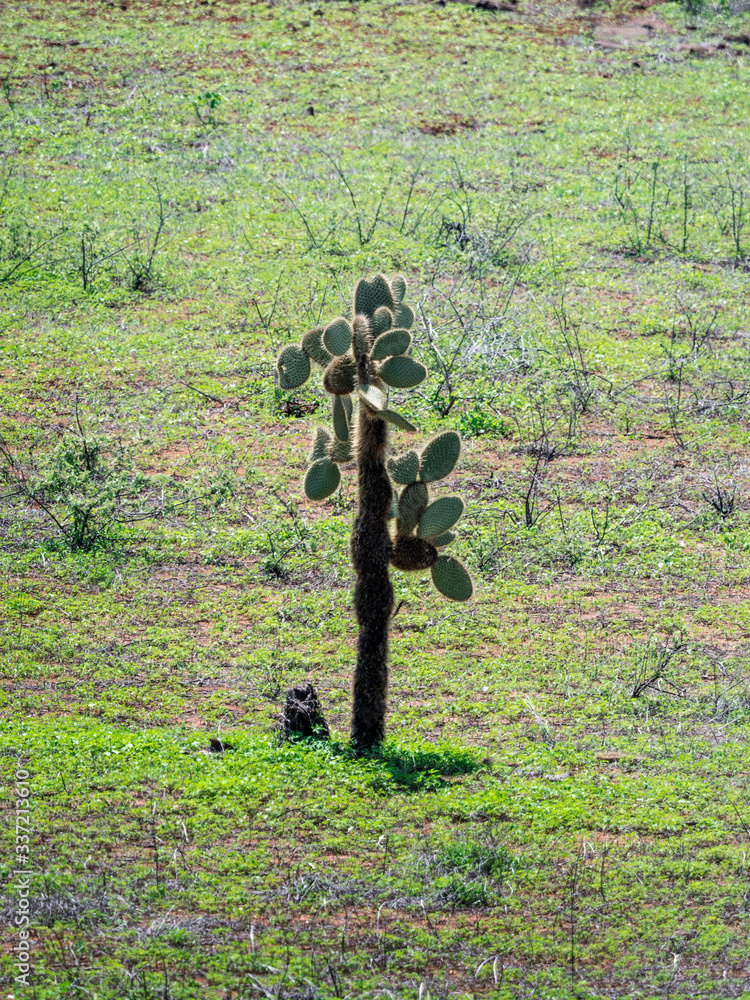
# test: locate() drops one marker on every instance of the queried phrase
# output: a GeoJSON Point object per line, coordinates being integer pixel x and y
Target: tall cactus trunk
{"type": "Point", "coordinates": [373, 593]}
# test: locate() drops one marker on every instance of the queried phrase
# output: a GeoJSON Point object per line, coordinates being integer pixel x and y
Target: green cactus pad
{"type": "Point", "coordinates": [337, 336]}
{"type": "Point", "coordinates": [372, 396]}
{"type": "Point", "coordinates": [397, 420]}
{"type": "Point", "coordinates": [370, 295]}
{"type": "Point", "coordinates": [348, 406]}
{"type": "Point", "coordinates": [320, 444]}
{"type": "Point", "coordinates": [404, 470]}
{"type": "Point", "coordinates": [362, 337]}
{"type": "Point", "coordinates": [340, 451]}
{"type": "Point", "coordinates": [340, 422]}
{"type": "Point", "coordinates": [312, 345]}
{"type": "Point", "coordinates": [390, 343]}
{"type": "Point", "coordinates": [293, 366]}
{"type": "Point", "coordinates": [439, 457]}
{"type": "Point", "coordinates": [322, 479]}
{"type": "Point", "coordinates": [403, 316]}
{"type": "Point", "coordinates": [402, 372]}
{"type": "Point", "coordinates": [442, 540]}
{"type": "Point", "coordinates": [451, 579]}
{"type": "Point", "coordinates": [411, 504]}
{"type": "Point", "coordinates": [440, 516]}
{"type": "Point", "coordinates": [412, 554]}
{"type": "Point", "coordinates": [382, 320]}
{"type": "Point", "coordinates": [340, 377]}
{"type": "Point", "coordinates": [398, 288]}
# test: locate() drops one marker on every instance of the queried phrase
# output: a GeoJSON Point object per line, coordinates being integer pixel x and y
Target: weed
{"type": "Point", "coordinates": [142, 262]}
{"type": "Point", "coordinates": [722, 499]}
{"type": "Point", "coordinates": [482, 420]}
{"type": "Point", "coordinates": [205, 106]}
{"type": "Point", "coordinates": [652, 664]}
{"type": "Point", "coordinates": [730, 203]}
{"type": "Point", "coordinates": [84, 487]}
{"type": "Point", "coordinates": [639, 216]}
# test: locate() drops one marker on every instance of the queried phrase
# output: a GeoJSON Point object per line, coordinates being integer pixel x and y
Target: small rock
{"type": "Point", "coordinates": [219, 746]}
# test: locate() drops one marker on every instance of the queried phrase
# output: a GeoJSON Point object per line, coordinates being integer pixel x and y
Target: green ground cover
{"type": "Point", "coordinates": [562, 807]}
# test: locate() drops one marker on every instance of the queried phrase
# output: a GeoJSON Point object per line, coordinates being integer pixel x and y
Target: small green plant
{"type": "Point", "coordinates": [205, 105]}
{"type": "Point", "coordinates": [693, 8]}
{"type": "Point", "coordinates": [479, 421]}
{"type": "Point", "coordinates": [361, 359]}
{"type": "Point", "coordinates": [82, 488]}
{"type": "Point", "coordinates": [722, 498]}
{"type": "Point", "coordinates": [469, 870]}
{"type": "Point", "coordinates": [148, 239]}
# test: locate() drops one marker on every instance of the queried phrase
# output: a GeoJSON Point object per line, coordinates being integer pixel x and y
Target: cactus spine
{"type": "Point", "coordinates": [361, 360]}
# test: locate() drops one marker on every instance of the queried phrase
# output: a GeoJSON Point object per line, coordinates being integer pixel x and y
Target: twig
{"type": "Point", "coordinates": [200, 392]}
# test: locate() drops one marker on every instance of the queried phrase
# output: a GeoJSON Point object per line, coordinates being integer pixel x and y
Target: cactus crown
{"type": "Point", "coordinates": [361, 359]}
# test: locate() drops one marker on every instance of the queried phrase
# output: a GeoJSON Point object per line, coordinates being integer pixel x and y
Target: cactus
{"type": "Point", "coordinates": [451, 578]}
{"type": "Point", "coordinates": [361, 359]}
{"type": "Point", "coordinates": [440, 516]}
{"type": "Point", "coordinates": [404, 470]}
{"type": "Point", "coordinates": [293, 366]}
{"type": "Point", "coordinates": [322, 479]}
{"type": "Point", "coordinates": [391, 342]}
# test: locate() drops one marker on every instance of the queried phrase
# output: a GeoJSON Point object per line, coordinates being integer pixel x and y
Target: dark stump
{"type": "Point", "coordinates": [302, 715]}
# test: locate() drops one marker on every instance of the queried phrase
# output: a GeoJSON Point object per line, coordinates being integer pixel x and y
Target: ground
{"type": "Point", "coordinates": [562, 806]}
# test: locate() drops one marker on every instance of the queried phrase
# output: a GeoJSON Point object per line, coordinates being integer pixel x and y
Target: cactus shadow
{"type": "Point", "coordinates": [392, 767]}
{"type": "Point", "coordinates": [425, 768]}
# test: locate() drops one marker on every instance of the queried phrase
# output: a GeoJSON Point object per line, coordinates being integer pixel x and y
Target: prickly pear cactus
{"type": "Point", "coordinates": [361, 359]}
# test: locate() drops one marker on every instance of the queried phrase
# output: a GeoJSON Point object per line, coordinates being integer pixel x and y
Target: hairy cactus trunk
{"type": "Point", "coordinates": [373, 592]}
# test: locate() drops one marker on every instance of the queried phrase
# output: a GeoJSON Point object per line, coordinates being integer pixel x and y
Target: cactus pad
{"type": "Point", "coordinates": [404, 470]}
{"type": "Point", "coordinates": [440, 516]}
{"type": "Point", "coordinates": [413, 553]}
{"type": "Point", "coordinates": [320, 444]}
{"type": "Point", "coordinates": [293, 366]}
{"type": "Point", "coordinates": [411, 503]}
{"type": "Point", "coordinates": [442, 540]}
{"type": "Point", "coordinates": [340, 451]}
{"type": "Point", "coordinates": [391, 342]}
{"type": "Point", "coordinates": [397, 420]}
{"type": "Point", "coordinates": [402, 372]}
{"type": "Point", "coordinates": [439, 457]}
{"type": "Point", "coordinates": [451, 579]}
{"type": "Point", "coordinates": [322, 479]}
{"type": "Point", "coordinates": [398, 289]}
{"type": "Point", "coordinates": [337, 336]}
{"type": "Point", "coordinates": [403, 316]}
{"type": "Point", "coordinates": [340, 377]}
{"type": "Point", "coordinates": [312, 345]}
{"type": "Point", "coordinates": [340, 422]}
{"type": "Point", "coordinates": [382, 320]}
{"type": "Point", "coordinates": [372, 396]}
{"type": "Point", "coordinates": [370, 295]}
